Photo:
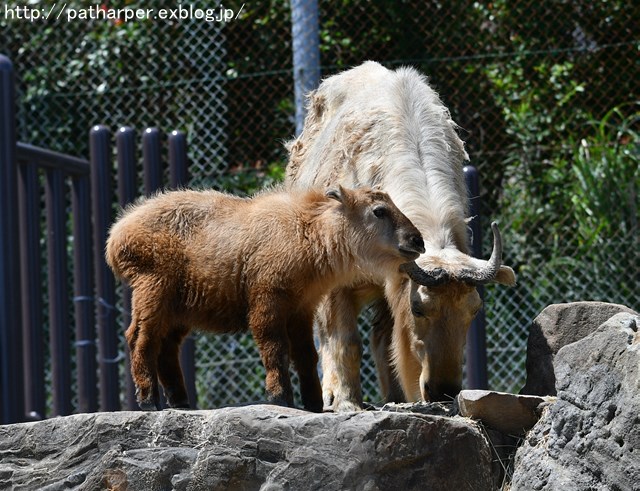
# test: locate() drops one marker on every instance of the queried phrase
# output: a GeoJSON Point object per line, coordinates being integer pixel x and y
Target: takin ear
{"type": "Point", "coordinates": [339, 194]}
{"type": "Point", "coordinates": [505, 276]}
{"type": "Point", "coordinates": [334, 193]}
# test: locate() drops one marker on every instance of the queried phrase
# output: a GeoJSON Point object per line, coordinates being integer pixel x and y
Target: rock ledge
{"type": "Point", "coordinates": [251, 447]}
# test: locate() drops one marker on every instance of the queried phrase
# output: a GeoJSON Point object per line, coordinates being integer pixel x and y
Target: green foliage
{"type": "Point", "coordinates": [246, 181]}
{"type": "Point", "coordinates": [568, 168]}
{"type": "Point", "coordinates": [589, 184]}
{"type": "Point", "coordinates": [535, 102]}
{"type": "Point", "coordinates": [605, 177]}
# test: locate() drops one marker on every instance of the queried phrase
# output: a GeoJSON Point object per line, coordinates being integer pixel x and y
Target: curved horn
{"type": "Point", "coordinates": [488, 273]}
{"type": "Point", "coordinates": [423, 277]}
{"type": "Point", "coordinates": [475, 277]}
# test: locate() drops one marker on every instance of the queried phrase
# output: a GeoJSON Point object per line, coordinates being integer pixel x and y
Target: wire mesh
{"type": "Point", "coordinates": [523, 79]}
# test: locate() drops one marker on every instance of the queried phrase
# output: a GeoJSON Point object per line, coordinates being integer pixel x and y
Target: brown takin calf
{"type": "Point", "coordinates": [221, 263]}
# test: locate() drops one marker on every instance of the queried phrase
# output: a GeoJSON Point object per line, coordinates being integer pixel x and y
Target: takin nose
{"type": "Point", "coordinates": [412, 246]}
{"type": "Point", "coordinates": [443, 393]}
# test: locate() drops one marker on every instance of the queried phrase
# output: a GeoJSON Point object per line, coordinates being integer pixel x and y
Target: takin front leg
{"type": "Point", "coordinates": [341, 350]}
{"type": "Point", "coordinates": [169, 371]}
{"type": "Point", "coordinates": [267, 324]}
{"type": "Point", "coordinates": [381, 337]}
{"type": "Point", "coordinates": [305, 359]}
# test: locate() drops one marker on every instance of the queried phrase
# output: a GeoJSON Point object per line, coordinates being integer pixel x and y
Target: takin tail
{"type": "Point", "coordinates": [133, 251]}
{"type": "Point", "coordinates": [120, 255]}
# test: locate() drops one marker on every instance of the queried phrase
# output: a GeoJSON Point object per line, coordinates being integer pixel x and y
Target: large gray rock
{"type": "Point", "coordinates": [590, 438]}
{"type": "Point", "coordinates": [556, 326]}
{"type": "Point", "coordinates": [252, 447]}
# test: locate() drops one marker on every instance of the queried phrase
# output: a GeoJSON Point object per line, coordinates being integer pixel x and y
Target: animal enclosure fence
{"type": "Point", "coordinates": [78, 210]}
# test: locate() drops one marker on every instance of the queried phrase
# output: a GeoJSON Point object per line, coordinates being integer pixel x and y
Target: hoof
{"type": "Point", "coordinates": [327, 398]}
{"type": "Point", "coordinates": [279, 401]}
{"type": "Point", "coordinates": [344, 406]}
{"type": "Point", "coordinates": [147, 406]}
{"type": "Point", "coordinates": [180, 405]}
{"type": "Point", "coordinates": [316, 407]}
{"type": "Point", "coordinates": [149, 403]}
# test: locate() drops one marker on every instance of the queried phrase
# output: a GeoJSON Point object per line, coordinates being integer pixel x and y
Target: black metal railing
{"type": "Point", "coordinates": [25, 170]}
{"type": "Point", "coordinates": [11, 366]}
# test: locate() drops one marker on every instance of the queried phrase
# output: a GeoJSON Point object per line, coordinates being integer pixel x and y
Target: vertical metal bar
{"type": "Point", "coordinates": [100, 150]}
{"type": "Point", "coordinates": [127, 191]}
{"type": "Point", "coordinates": [58, 295]}
{"type": "Point", "coordinates": [179, 177]}
{"type": "Point", "coordinates": [11, 375]}
{"type": "Point", "coordinates": [31, 284]}
{"type": "Point", "coordinates": [151, 160]}
{"type": "Point", "coordinates": [127, 176]}
{"type": "Point", "coordinates": [178, 161]}
{"type": "Point", "coordinates": [152, 164]}
{"type": "Point", "coordinates": [476, 353]}
{"type": "Point", "coordinates": [83, 295]}
{"type": "Point", "coordinates": [306, 53]}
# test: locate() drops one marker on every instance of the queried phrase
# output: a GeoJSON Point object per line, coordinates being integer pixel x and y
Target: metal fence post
{"type": "Point", "coordinates": [306, 53]}
{"type": "Point", "coordinates": [476, 353]}
{"type": "Point", "coordinates": [57, 284]}
{"type": "Point", "coordinates": [11, 377]}
{"type": "Point", "coordinates": [178, 163]}
{"type": "Point", "coordinates": [152, 178]}
{"type": "Point", "coordinates": [32, 294]}
{"type": "Point", "coordinates": [151, 160]}
{"type": "Point", "coordinates": [127, 176]}
{"type": "Point", "coordinates": [83, 295]}
{"type": "Point", "coordinates": [179, 177]}
{"type": "Point", "coordinates": [99, 140]}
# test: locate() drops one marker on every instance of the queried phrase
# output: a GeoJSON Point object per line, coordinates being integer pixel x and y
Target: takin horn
{"type": "Point", "coordinates": [424, 277]}
{"type": "Point", "coordinates": [474, 277]}
{"type": "Point", "coordinates": [489, 272]}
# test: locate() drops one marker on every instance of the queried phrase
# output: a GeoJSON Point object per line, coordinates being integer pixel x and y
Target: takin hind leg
{"type": "Point", "coordinates": [144, 348]}
{"type": "Point", "coordinates": [169, 371]}
{"type": "Point", "coordinates": [144, 337]}
{"type": "Point", "coordinates": [305, 359]}
{"type": "Point", "coordinates": [381, 336]}
{"type": "Point", "coordinates": [267, 324]}
{"type": "Point", "coordinates": [341, 350]}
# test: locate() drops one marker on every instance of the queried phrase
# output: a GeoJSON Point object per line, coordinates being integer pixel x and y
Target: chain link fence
{"type": "Point", "coordinates": [545, 92]}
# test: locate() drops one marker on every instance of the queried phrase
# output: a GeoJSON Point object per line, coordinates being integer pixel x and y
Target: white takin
{"type": "Point", "coordinates": [370, 126]}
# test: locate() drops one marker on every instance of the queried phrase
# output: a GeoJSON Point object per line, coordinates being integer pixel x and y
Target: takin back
{"type": "Point", "coordinates": [216, 262]}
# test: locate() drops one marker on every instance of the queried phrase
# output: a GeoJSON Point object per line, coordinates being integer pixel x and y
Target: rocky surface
{"type": "Point", "coordinates": [589, 438]}
{"type": "Point", "coordinates": [556, 326]}
{"type": "Point", "coordinates": [510, 414]}
{"type": "Point", "coordinates": [251, 447]}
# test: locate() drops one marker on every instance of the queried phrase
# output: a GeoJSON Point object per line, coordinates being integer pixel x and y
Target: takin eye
{"type": "Point", "coordinates": [416, 309]}
{"type": "Point", "coordinates": [380, 211]}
